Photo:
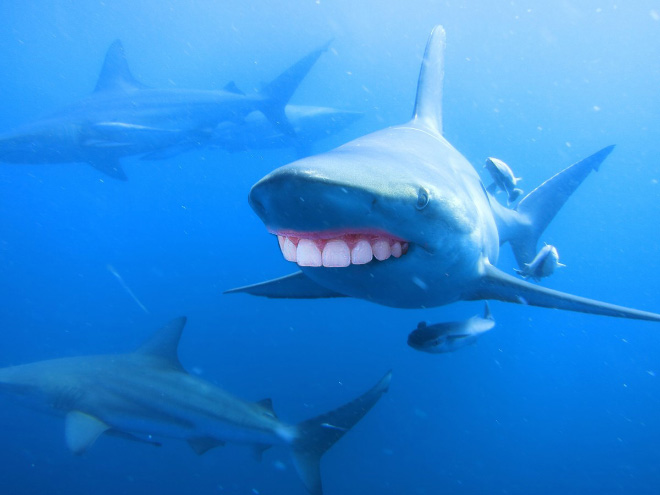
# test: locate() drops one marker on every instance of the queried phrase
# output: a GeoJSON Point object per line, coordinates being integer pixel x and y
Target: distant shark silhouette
{"type": "Point", "coordinates": [399, 217]}
{"type": "Point", "coordinates": [124, 117]}
{"type": "Point", "coordinates": [147, 393]}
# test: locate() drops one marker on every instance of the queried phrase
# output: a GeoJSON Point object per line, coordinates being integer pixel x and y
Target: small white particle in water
{"type": "Point", "coordinates": [624, 341]}
{"type": "Point", "coordinates": [255, 491]}
{"type": "Point", "coordinates": [596, 108]}
{"type": "Point", "coordinates": [568, 144]}
{"type": "Point", "coordinates": [539, 128]}
{"type": "Point", "coordinates": [654, 15]}
{"type": "Point", "coordinates": [420, 283]}
{"type": "Point", "coordinates": [654, 181]}
{"type": "Point", "coordinates": [651, 372]}
{"type": "Point", "coordinates": [279, 465]}
{"type": "Point", "coordinates": [625, 385]}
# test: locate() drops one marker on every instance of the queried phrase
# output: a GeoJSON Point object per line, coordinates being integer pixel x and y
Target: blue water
{"type": "Point", "coordinates": [548, 402]}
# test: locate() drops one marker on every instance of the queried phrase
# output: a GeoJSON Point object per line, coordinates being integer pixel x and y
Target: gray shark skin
{"type": "Point", "coordinates": [255, 132]}
{"type": "Point", "coordinates": [451, 335]}
{"type": "Point", "coordinates": [147, 393]}
{"type": "Point", "coordinates": [409, 191]}
{"type": "Point", "coordinates": [124, 117]}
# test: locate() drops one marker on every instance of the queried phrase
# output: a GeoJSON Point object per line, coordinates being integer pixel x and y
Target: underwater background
{"type": "Point", "coordinates": [548, 402]}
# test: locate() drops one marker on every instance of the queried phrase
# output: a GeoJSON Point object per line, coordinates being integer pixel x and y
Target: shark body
{"type": "Point", "coordinates": [147, 394]}
{"type": "Point", "coordinates": [400, 218]}
{"type": "Point", "coordinates": [123, 117]}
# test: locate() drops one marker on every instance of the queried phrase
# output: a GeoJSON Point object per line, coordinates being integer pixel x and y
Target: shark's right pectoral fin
{"type": "Point", "coordinates": [110, 167]}
{"type": "Point", "coordinates": [495, 284]}
{"type": "Point", "coordinates": [81, 430]}
{"type": "Point", "coordinates": [294, 286]}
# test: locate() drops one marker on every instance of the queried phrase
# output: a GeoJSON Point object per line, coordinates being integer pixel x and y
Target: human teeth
{"type": "Point", "coordinates": [341, 251]}
{"type": "Point", "coordinates": [396, 249]}
{"type": "Point", "coordinates": [361, 253]}
{"type": "Point", "coordinates": [336, 253]}
{"type": "Point", "coordinates": [381, 249]}
{"type": "Point", "coordinates": [289, 250]}
{"type": "Point", "coordinates": [308, 254]}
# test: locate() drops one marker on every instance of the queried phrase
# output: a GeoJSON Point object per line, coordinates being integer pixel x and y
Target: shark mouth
{"type": "Point", "coordinates": [341, 250]}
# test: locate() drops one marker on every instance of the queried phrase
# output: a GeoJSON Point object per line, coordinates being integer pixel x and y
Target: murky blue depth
{"type": "Point", "coordinates": [548, 402]}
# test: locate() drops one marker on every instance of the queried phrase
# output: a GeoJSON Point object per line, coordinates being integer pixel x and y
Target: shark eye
{"type": "Point", "coordinates": [422, 198]}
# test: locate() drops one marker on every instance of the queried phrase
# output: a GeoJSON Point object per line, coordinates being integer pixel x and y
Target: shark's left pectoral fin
{"type": "Point", "coordinates": [110, 167]}
{"type": "Point", "coordinates": [294, 286]}
{"type": "Point", "coordinates": [82, 430]}
{"type": "Point", "coordinates": [495, 284]}
{"type": "Point", "coordinates": [204, 444]}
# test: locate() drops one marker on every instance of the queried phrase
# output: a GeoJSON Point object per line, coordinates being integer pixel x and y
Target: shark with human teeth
{"type": "Point", "coordinates": [345, 216]}
{"type": "Point", "coordinates": [146, 394]}
{"type": "Point", "coordinates": [124, 117]}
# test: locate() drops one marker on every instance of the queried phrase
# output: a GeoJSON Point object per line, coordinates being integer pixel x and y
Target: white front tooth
{"type": "Point", "coordinates": [381, 249]}
{"type": "Point", "coordinates": [361, 253]}
{"type": "Point", "coordinates": [280, 240]}
{"type": "Point", "coordinates": [289, 250]}
{"type": "Point", "coordinates": [308, 254]}
{"type": "Point", "coordinates": [336, 254]}
{"type": "Point", "coordinates": [396, 249]}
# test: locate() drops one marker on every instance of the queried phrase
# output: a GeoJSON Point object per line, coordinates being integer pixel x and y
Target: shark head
{"type": "Point", "coordinates": [379, 218]}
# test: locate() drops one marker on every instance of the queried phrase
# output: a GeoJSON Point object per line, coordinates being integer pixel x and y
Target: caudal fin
{"type": "Point", "coordinates": [539, 207]}
{"type": "Point", "coordinates": [315, 436]}
{"type": "Point", "coordinates": [279, 91]}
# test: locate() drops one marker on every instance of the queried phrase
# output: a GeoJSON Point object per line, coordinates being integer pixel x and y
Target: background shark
{"type": "Point", "coordinates": [124, 117]}
{"type": "Point", "coordinates": [147, 393]}
{"type": "Point", "coordinates": [399, 217]}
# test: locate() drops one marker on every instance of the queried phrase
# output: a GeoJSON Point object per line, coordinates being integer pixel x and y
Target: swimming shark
{"type": "Point", "coordinates": [147, 394]}
{"type": "Point", "coordinates": [124, 117]}
{"type": "Point", "coordinates": [400, 218]}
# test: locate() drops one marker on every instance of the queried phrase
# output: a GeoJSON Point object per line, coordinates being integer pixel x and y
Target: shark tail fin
{"type": "Point", "coordinates": [539, 207]}
{"type": "Point", "coordinates": [428, 103]}
{"type": "Point", "coordinates": [316, 435]}
{"type": "Point", "coordinates": [279, 91]}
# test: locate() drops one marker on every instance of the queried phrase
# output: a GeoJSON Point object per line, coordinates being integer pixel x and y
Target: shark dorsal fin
{"type": "Point", "coordinates": [428, 103]}
{"type": "Point", "coordinates": [115, 74]}
{"type": "Point", "coordinates": [165, 342]}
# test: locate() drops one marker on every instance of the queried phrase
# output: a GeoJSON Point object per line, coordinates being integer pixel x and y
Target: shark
{"type": "Point", "coordinates": [400, 218]}
{"type": "Point", "coordinates": [147, 394]}
{"type": "Point", "coordinates": [124, 117]}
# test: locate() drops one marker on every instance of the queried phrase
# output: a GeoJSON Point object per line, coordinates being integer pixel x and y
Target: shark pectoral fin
{"type": "Point", "coordinates": [294, 286]}
{"type": "Point", "coordinates": [495, 284]}
{"type": "Point", "coordinates": [202, 445]}
{"type": "Point", "coordinates": [110, 167]}
{"type": "Point", "coordinates": [82, 430]}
